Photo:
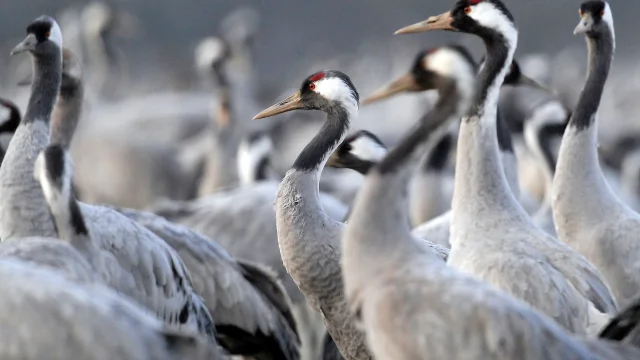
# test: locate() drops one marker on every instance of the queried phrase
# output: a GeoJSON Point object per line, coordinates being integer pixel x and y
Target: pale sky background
{"type": "Point", "coordinates": [293, 29]}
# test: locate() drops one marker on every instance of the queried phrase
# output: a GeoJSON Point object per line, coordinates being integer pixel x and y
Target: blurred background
{"type": "Point", "coordinates": [152, 86]}
{"type": "Point", "coordinates": [296, 34]}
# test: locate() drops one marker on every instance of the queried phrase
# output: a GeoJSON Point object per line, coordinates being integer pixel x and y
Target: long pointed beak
{"type": "Point", "coordinates": [527, 81]}
{"type": "Point", "coordinates": [441, 22]}
{"type": "Point", "coordinates": [28, 44]}
{"type": "Point", "coordinates": [406, 83]}
{"type": "Point", "coordinates": [334, 161]}
{"type": "Point", "coordinates": [586, 21]}
{"type": "Point", "coordinates": [293, 102]}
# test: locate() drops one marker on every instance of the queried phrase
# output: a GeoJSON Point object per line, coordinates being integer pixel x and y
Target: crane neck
{"type": "Point", "coordinates": [581, 195]}
{"type": "Point", "coordinates": [436, 159]}
{"type": "Point", "coordinates": [499, 57]}
{"type": "Point", "coordinates": [505, 142]}
{"type": "Point", "coordinates": [47, 78]}
{"type": "Point", "coordinates": [70, 223]}
{"type": "Point", "coordinates": [601, 49]}
{"type": "Point", "coordinates": [333, 131]}
{"type": "Point", "coordinates": [67, 111]}
{"type": "Point", "coordinates": [398, 158]}
{"type": "Point", "coordinates": [481, 183]}
{"type": "Point", "coordinates": [299, 191]}
{"type": "Point", "coordinates": [383, 198]}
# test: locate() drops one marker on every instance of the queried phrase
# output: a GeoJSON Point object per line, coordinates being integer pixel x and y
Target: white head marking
{"type": "Point", "coordinates": [448, 62]}
{"type": "Point", "coordinates": [335, 89]}
{"type": "Point", "coordinates": [250, 155]}
{"type": "Point", "coordinates": [209, 51]}
{"type": "Point", "coordinates": [608, 19]}
{"type": "Point", "coordinates": [55, 34]}
{"type": "Point", "coordinates": [487, 15]}
{"type": "Point", "coordinates": [57, 198]}
{"type": "Point", "coordinates": [366, 148]}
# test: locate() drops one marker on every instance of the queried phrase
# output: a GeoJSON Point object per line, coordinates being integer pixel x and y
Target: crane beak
{"type": "Point", "coordinates": [406, 83]}
{"type": "Point", "coordinates": [334, 161]}
{"type": "Point", "coordinates": [585, 24]}
{"type": "Point", "coordinates": [293, 102]}
{"type": "Point", "coordinates": [28, 44]}
{"type": "Point", "coordinates": [441, 22]}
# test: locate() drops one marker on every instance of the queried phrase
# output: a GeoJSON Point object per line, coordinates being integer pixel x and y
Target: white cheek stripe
{"type": "Point", "coordinates": [367, 149]}
{"type": "Point", "coordinates": [56, 34]}
{"type": "Point", "coordinates": [334, 89]}
{"type": "Point", "coordinates": [486, 14]}
{"type": "Point", "coordinates": [608, 18]}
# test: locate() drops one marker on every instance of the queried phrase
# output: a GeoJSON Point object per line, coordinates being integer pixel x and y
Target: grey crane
{"type": "Point", "coordinates": [546, 124]}
{"type": "Point", "coordinates": [48, 316]}
{"type": "Point", "coordinates": [251, 310]}
{"type": "Point", "coordinates": [588, 216]}
{"type": "Point", "coordinates": [139, 264]}
{"type": "Point", "coordinates": [308, 237]}
{"type": "Point", "coordinates": [492, 236]}
{"type": "Point", "coordinates": [437, 230]}
{"type": "Point", "coordinates": [247, 322]}
{"type": "Point", "coordinates": [59, 255]}
{"type": "Point", "coordinates": [401, 292]}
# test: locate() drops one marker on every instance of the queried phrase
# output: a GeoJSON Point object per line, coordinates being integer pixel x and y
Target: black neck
{"type": "Point", "coordinates": [321, 146]}
{"type": "Point", "coordinates": [67, 111]}
{"type": "Point", "coordinates": [496, 60]}
{"type": "Point", "coordinates": [437, 158]}
{"type": "Point", "coordinates": [545, 137]}
{"type": "Point", "coordinates": [44, 89]}
{"type": "Point", "coordinates": [261, 170]}
{"type": "Point", "coordinates": [446, 106]}
{"type": "Point", "coordinates": [77, 221]}
{"type": "Point", "coordinates": [505, 143]}
{"type": "Point", "coordinates": [600, 57]}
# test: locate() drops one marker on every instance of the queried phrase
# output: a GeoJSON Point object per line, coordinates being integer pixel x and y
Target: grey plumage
{"type": "Point", "coordinates": [136, 262]}
{"type": "Point", "coordinates": [588, 216]}
{"type": "Point", "coordinates": [48, 316]}
{"type": "Point", "coordinates": [251, 311]}
{"type": "Point", "coordinates": [54, 254]}
{"type": "Point", "coordinates": [307, 236]}
{"type": "Point", "coordinates": [411, 304]}
{"type": "Point", "coordinates": [492, 236]}
{"type": "Point", "coordinates": [242, 220]}
{"type": "Point", "coordinates": [21, 197]}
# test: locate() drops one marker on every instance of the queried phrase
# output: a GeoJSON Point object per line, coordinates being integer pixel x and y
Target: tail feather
{"type": "Point", "coordinates": [284, 343]}
{"type": "Point", "coordinates": [330, 349]}
{"type": "Point", "coordinates": [191, 346]}
{"type": "Point", "coordinates": [624, 326]}
{"type": "Point", "coordinates": [266, 281]}
{"type": "Point", "coordinates": [257, 345]}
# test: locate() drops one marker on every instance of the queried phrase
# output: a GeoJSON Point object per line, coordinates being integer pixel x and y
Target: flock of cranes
{"type": "Point", "coordinates": [223, 257]}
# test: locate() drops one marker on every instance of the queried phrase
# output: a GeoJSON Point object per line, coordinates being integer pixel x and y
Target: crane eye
{"type": "Point", "coordinates": [601, 13]}
{"type": "Point", "coordinates": [312, 86]}
{"type": "Point", "coordinates": [468, 10]}
{"type": "Point", "coordinates": [580, 12]}
{"type": "Point", "coordinates": [47, 34]}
